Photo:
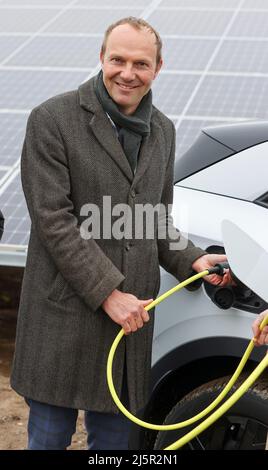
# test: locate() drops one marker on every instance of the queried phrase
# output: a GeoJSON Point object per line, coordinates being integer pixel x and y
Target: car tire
{"type": "Point", "coordinates": [244, 426]}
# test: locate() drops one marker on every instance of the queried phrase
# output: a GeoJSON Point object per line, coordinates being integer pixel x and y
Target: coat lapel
{"type": "Point", "coordinates": [105, 134]}
{"type": "Point", "coordinates": [102, 128]}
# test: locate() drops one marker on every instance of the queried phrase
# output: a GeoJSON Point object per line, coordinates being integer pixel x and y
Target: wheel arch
{"type": "Point", "coordinates": [185, 368]}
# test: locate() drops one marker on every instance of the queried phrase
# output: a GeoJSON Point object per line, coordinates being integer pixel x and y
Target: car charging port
{"type": "Point", "coordinates": [223, 297]}
{"type": "Point", "coordinates": [238, 296]}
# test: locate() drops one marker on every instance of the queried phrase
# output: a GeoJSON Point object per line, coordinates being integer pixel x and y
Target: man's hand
{"type": "Point", "coordinates": [208, 261]}
{"type": "Point", "coordinates": [260, 337]}
{"type": "Point", "coordinates": [126, 310]}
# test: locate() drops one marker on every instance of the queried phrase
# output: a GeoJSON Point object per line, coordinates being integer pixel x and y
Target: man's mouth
{"type": "Point", "coordinates": [125, 87]}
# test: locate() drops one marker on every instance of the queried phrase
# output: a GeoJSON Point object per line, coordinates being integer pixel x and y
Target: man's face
{"type": "Point", "coordinates": [129, 65]}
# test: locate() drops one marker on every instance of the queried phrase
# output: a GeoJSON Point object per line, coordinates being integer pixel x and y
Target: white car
{"type": "Point", "coordinates": [200, 336]}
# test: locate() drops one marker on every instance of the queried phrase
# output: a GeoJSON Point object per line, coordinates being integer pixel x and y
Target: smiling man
{"type": "Point", "coordinates": [131, 60]}
{"type": "Point", "coordinates": [104, 141]}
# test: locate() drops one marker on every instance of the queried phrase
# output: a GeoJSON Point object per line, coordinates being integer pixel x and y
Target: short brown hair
{"type": "Point", "coordinates": [137, 23]}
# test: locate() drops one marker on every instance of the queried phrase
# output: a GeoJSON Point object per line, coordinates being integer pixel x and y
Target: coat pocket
{"type": "Point", "coordinates": [60, 289]}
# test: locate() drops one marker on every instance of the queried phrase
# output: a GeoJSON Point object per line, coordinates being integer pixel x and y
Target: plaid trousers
{"type": "Point", "coordinates": [51, 428]}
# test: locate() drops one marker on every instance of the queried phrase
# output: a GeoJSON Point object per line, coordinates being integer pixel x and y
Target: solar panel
{"type": "Point", "coordinates": [13, 206]}
{"type": "Point", "coordinates": [112, 4]}
{"type": "Point", "coordinates": [12, 130]}
{"type": "Point", "coordinates": [22, 20]}
{"type": "Point", "coordinates": [215, 71]}
{"type": "Point", "coordinates": [34, 86]}
{"type": "Point", "coordinates": [95, 21]}
{"type": "Point", "coordinates": [167, 97]}
{"type": "Point", "coordinates": [251, 23]}
{"type": "Point", "coordinates": [242, 56]}
{"type": "Point", "coordinates": [239, 97]}
{"type": "Point", "coordinates": [190, 22]}
{"type": "Point", "coordinates": [9, 44]}
{"type": "Point", "coordinates": [33, 2]}
{"type": "Point", "coordinates": [201, 3]}
{"type": "Point", "coordinates": [59, 52]}
{"type": "Point", "coordinates": [255, 4]}
{"type": "Point", "coordinates": [187, 54]}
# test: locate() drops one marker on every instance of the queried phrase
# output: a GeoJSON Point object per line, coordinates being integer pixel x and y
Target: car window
{"type": "Point", "coordinates": [204, 152]}
{"type": "Point", "coordinates": [242, 175]}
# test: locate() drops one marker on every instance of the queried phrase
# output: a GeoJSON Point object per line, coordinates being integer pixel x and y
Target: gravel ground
{"type": "Point", "coordinates": [13, 410]}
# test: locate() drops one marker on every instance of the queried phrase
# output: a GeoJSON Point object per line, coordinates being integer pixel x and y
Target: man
{"type": "Point", "coordinates": [104, 140]}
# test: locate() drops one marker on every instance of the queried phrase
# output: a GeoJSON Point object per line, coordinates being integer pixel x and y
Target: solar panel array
{"type": "Point", "coordinates": [216, 69]}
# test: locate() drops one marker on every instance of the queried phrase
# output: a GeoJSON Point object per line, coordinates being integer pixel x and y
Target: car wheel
{"type": "Point", "coordinates": [244, 426]}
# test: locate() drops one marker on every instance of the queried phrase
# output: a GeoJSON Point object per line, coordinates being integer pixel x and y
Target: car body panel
{"type": "Point", "coordinates": [198, 210]}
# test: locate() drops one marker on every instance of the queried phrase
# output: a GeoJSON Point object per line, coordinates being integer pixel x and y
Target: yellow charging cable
{"type": "Point", "coordinates": [211, 419]}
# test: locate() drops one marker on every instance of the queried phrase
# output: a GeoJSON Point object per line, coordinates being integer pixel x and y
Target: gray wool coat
{"type": "Point", "coordinates": [71, 156]}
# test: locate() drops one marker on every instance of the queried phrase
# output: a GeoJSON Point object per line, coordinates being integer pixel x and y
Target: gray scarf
{"type": "Point", "coordinates": [131, 129]}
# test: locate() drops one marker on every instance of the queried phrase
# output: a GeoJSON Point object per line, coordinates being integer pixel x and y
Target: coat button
{"type": "Point", "coordinates": [133, 193]}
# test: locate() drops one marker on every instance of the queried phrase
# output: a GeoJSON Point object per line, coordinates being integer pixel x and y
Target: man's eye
{"type": "Point", "coordinates": [116, 59]}
{"type": "Point", "coordinates": [142, 64]}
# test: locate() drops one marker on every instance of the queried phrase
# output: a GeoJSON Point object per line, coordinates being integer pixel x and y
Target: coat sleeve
{"type": "Point", "coordinates": [177, 262]}
{"type": "Point", "coordinates": [47, 189]}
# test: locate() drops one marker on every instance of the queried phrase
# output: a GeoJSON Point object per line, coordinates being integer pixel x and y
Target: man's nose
{"type": "Point", "coordinates": [127, 73]}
